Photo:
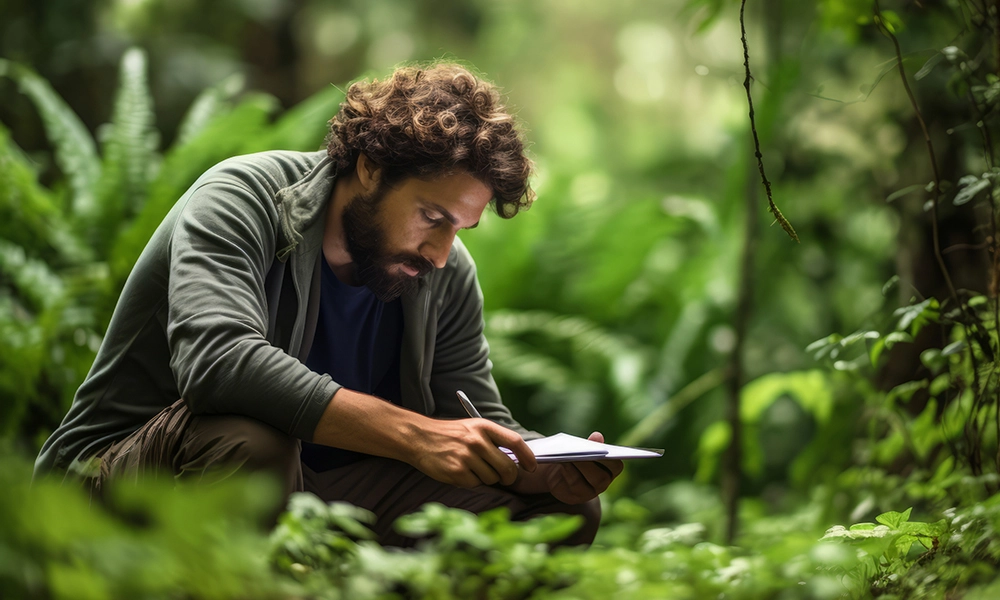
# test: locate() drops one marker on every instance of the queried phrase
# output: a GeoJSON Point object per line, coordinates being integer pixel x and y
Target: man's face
{"type": "Point", "coordinates": [398, 234]}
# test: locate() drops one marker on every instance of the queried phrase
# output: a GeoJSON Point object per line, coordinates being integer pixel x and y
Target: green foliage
{"type": "Point", "coordinates": [149, 541]}
{"type": "Point", "coordinates": [164, 540]}
{"type": "Point", "coordinates": [65, 252]}
{"type": "Point", "coordinates": [161, 540]}
{"type": "Point", "coordinates": [899, 558]}
{"type": "Point", "coordinates": [608, 303]}
{"type": "Point", "coordinates": [74, 147]}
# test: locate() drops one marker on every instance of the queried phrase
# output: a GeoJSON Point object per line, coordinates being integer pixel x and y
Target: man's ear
{"type": "Point", "coordinates": [369, 174]}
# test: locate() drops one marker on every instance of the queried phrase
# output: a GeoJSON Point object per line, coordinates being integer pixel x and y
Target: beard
{"type": "Point", "coordinates": [366, 243]}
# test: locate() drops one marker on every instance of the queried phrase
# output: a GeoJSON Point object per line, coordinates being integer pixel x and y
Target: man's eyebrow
{"type": "Point", "coordinates": [444, 212]}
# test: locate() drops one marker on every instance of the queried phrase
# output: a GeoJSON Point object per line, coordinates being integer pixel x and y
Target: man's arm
{"type": "Point", "coordinates": [461, 361]}
{"type": "Point", "coordinates": [221, 245]}
{"type": "Point", "coordinates": [459, 452]}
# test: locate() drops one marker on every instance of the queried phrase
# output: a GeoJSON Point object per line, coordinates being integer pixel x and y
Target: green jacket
{"type": "Point", "coordinates": [221, 307]}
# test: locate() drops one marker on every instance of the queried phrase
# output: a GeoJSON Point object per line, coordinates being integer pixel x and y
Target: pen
{"type": "Point", "coordinates": [467, 405]}
{"type": "Point", "coordinates": [469, 408]}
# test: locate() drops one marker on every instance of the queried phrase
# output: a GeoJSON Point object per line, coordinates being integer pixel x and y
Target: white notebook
{"type": "Point", "coordinates": [563, 447]}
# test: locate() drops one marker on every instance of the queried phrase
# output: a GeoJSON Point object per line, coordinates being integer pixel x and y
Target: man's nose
{"type": "Point", "coordinates": [438, 248]}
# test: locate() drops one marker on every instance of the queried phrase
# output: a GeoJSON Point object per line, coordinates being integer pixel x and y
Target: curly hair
{"type": "Point", "coordinates": [426, 122]}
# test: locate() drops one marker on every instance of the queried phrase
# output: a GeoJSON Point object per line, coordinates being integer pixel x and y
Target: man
{"type": "Point", "coordinates": [323, 297]}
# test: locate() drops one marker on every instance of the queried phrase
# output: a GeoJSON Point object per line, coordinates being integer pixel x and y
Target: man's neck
{"type": "Point", "coordinates": [334, 242]}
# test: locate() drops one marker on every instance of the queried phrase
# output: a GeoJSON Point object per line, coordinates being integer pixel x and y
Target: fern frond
{"type": "Point", "coordinates": [562, 392]}
{"type": "Point", "coordinates": [304, 126]}
{"type": "Point", "coordinates": [520, 364]}
{"type": "Point", "coordinates": [34, 283]}
{"type": "Point", "coordinates": [30, 214]}
{"type": "Point", "coordinates": [584, 335]}
{"type": "Point", "coordinates": [621, 363]}
{"type": "Point", "coordinates": [226, 135]}
{"type": "Point", "coordinates": [208, 105]}
{"type": "Point", "coordinates": [75, 150]}
{"type": "Point", "coordinates": [130, 157]}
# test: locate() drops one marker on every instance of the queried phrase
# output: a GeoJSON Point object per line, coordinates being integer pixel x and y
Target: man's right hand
{"type": "Point", "coordinates": [462, 452]}
{"type": "Point", "coordinates": [465, 453]}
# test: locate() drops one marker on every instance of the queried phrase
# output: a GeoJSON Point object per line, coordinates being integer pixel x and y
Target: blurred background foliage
{"type": "Point", "coordinates": [610, 303]}
{"type": "Point", "coordinates": [614, 292]}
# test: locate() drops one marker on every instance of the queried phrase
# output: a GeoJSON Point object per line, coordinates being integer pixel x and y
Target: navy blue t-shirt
{"type": "Point", "coordinates": [357, 343]}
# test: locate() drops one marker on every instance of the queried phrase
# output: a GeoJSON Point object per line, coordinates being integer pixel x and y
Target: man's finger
{"type": "Point", "coordinates": [606, 469]}
{"type": "Point", "coordinates": [505, 468]}
{"type": "Point", "coordinates": [501, 436]}
{"type": "Point", "coordinates": [483, 471]}
{"type": "Point", "coordinates": [600, 474]}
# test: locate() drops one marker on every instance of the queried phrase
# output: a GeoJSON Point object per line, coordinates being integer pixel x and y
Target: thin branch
{"type": "Point", "coordinates": [996, 31]}
{"type": "Point", "coordinates": [936, 195]}
{"type": "Point", "coordinates": [780, 218]}
{"type": "Point", "coordinates": [983, 129]}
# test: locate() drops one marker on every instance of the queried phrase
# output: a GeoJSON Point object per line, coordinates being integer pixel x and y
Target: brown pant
{"type": "Point", "coordinates": [213, 447]}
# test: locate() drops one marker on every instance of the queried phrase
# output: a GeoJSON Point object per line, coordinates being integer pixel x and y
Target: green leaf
{"type": "Point", "coordinates": [130, 158]}
{"type": "Point", "coordinates": [893, 519]}
{"type": "Point", "coordinates": [887, 343]}
{"type": "Point", "coordinates": [811, 389]}
{"type": "Point", "coordinates": [905, 191]}
{"type": "Point", "coordinates": [209, 104]}
{"type": "Point", "coordinates": [75, 151]}
{"type": "Point", "coordinates": [969, 187]}
{"type": "Point", "coordinates": [876, 351]}
{"type": "Point", "coordinates": [305, 125]}
{"type": "Point", "coordinates": [30, 215]}
{"type": "Point", "coordinates": [933, 359]}
{"type": "Point", "coordinates": [905, 391]}
{"type": "Point", "coordinates": [891, 20]}
{"type": "Point", "coordinates": [978, 300]}
{"type": "Point", "coordinates": [32, 278]}
{"type": "Point", "coordinates": [940, 384]}
{"type": "Point", "coordinates": [915, 316]}
{"type": "Point", "coordinates": [714, 440]}
{"type": "Point", "coordinates": [890, 284]}
{"type": "Point", "coordinates": [896, 337]}
{"type": "Point", "coordinates": [828, 346]}
{"type": "Point", "coordinates": [953, 348]}
{"type": "Point", "coordinates": [928, 66]}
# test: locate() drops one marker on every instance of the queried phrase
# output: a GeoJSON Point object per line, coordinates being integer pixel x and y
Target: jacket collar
{"type": "Point", "coordinates": [301, 204]}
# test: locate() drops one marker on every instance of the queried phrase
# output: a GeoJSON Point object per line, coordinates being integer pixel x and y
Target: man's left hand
{"type": "Point", "coordinates": [571, 482]}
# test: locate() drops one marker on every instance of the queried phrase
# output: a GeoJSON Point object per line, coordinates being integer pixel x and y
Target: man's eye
{"type": "Point", "coordinates": [430, 219]}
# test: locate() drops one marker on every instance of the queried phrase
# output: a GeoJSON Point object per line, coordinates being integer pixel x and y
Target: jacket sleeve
{"type": "Point", "coordinates": [221, 247]}
{"type": "Point", "coordinates": [461, 354]}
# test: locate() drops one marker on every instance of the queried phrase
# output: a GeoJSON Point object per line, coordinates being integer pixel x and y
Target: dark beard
{"type": "Point", "coordinates": [366, 244]}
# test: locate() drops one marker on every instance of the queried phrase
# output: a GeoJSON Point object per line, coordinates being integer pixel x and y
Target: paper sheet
{"type": "Point", "coordinates": [563, 447]}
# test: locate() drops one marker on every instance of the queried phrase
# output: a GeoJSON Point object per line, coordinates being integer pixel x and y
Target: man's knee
{"type": "Point", "coordinates": [232, 442]}
{"type": "Point", "coordinates": [591, 513]}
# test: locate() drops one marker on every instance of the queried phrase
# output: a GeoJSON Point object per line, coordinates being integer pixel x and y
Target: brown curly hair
{"type": "Point", "coordinates": [428, 121]}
